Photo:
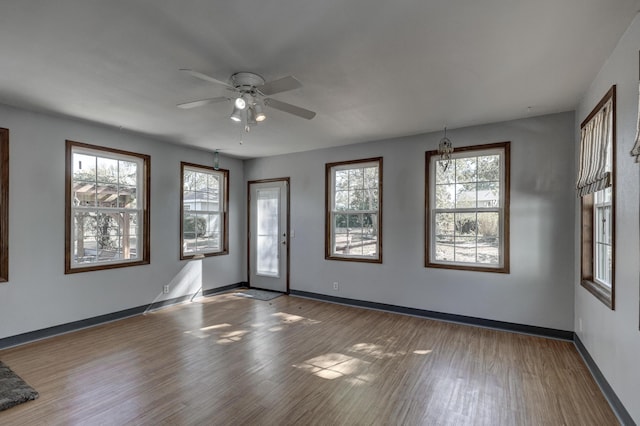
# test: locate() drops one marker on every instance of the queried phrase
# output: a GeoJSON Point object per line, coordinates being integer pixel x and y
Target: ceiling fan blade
{"type": "Point", "coordinates": [291, 109]}
{"type": "Point", "coordinates": [280, 85]}
{"type": "Point", "coordinates": [195, 104]}
{"type": "Point", "coordinates": [205, 77]}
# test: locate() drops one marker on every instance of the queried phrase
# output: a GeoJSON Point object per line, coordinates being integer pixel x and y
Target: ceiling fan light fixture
{"type": "Point", "coordinates": [258, 113]}
{"type": "Point", "coordinates": [251, 117]}
{"type": "Point", "coordinates": [240, 103]}
{"type": "Point", "coordinates": [236, 115]}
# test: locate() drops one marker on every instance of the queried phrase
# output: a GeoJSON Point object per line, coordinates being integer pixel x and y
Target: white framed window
{"type": "Point", "coordinates": [467, 209]}
{"type": "Point", "coordinates": [107, 223]}
{"type": "Point", "coordinates": [353, 218]}
{"type": "Point", "coordinates": [596, 189]}
{"type": "Point", "coordinates": [203, 218]}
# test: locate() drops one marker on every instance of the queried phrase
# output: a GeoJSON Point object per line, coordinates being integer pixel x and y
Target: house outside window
{"type": "Point", "coordinates": [107, 203]}
{"type": "Point", "coordinates": [353, 217]}
{"type": "Point", "coordinates": [467, 209]}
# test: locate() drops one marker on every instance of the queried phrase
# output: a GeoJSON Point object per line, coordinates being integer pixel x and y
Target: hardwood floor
{"type": "Point", "coordinates": [226, 360]}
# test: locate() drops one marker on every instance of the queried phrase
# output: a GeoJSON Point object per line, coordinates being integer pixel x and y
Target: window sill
{"type": "Point", "coordinates": [354, 259]}
{"type": "Point", "coordinates": [499, 270]}
{"type": "Point", "coordinates": [601, 292]}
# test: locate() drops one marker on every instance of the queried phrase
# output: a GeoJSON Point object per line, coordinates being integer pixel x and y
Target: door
{"type": "Point", "coordinates": [269, 234]}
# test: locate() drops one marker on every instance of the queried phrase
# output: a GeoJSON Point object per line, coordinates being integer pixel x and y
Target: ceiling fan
{"type": "Point", "coordinates": [251, 93]}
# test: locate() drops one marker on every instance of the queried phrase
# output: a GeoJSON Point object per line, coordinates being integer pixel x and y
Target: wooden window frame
{"type": "Point", "coordinates": [329, 201]}
{"type": "Point", "coordinates": [224, 213]}
{"type": "Point", "coordinates": [504, 219]}
{"type": "Point", "coordinates": [145, 201]}
{"type": "Point", "coordinates": [587, 206]}
{"type": "Point", "coordinates": [4, 205]}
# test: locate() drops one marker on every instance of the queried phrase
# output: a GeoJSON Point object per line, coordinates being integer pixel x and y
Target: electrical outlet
{"type": "Point", "coordinates": [165, 289]}
{"type": "Point", "coordinates": [335, 285]}
{"type": "Point", "coordinates": [580, 325]}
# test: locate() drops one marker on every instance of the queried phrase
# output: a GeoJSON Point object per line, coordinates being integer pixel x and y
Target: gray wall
{"type": "Point", "coordinates": [612, 337]}
{"type": "Point", "coordinates": [539, 289]}
{"type": "Point", "coordinates": [38, 294]}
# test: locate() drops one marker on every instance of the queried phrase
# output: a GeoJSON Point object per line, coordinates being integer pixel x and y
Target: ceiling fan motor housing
{"type": "Point", "coordinates": [246, 82]}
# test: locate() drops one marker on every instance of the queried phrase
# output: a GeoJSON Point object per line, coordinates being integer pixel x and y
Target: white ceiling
{"type": "Point", "coordinates": [371, 69]}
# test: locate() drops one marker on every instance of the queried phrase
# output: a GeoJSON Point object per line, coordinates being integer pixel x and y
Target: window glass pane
{"type": "Point", "coordinates": [342, 179]}
{"type": "Point", "coordinates": [84, 194]}
{"type": "Point", "coordinates": [466, 169]}
{"type": "Point", "coordinates": [84, 168]}
{"type": "Point", "coordinates": [466, 195]}
{"type": "Point", "coordinates": [188, 180]}
{"type": "Point", "coordinates": [357, 200]}
{"type": "Point", "coordinates": [465, 224]}
{"type": "Point", "coordinates": [189, 232]}
{"type": "Point", "coordinates": [465, 249]}
{"type": "Point", "coordinates": [107, 194]}
{"type": "Point", "coordinates": [84, 236]}
{"type": "Point", "coordinates": [444, 236]}
{"type": "Point", "coordinates": [341, 200]}
{"type": "Point", "coordinates": [107, 170]}
{"type": "Point", "coordinates": [201, 181]}
{"type": "Point", "coordinates": [489, 194]}
{"type": "Point", "coordinates": [445, 195]}
{"type": "Point", "coordinates": [445, 176]}
{"type": "Point", "coordinates": [213, 183]}
{"type": "Point", "coordinates": [373, 201]}
{"type": "Point", "coordinates": [267, 221]}
{"type": "Point", "coordinates": [488, 168]}
{"type": "Point", "coordinates": [127, 197]}
{"type": "Point", "coordinates": [128, 173]}
{"type": "Point", "coordinates": [489, 238]}
{"type": "Point", "coordinates": [371, 177]}
{"type": "Point", "coordinates": [356, 178]}
{"type": "Point", "coordinates": [129, 235]}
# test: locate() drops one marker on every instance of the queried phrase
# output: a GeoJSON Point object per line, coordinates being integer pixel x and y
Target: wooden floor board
{"type": "Point", "coordinates": [226, 360]}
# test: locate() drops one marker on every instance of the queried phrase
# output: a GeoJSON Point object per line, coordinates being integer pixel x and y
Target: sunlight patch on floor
{"type": "Point", "coordinates": [373, 350]}
{"type": "Point", "coordinates": [215, 327]}
{"type": "Point", "coordinates": [335, 365]}
{"type": "Point", "coordinates": [231, 337]}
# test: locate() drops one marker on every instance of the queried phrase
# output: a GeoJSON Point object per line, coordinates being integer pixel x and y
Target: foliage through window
{"type": "Point", "coordinates": [203, 218]}
{"type": "Point", "coordinates": [596, 188]}
{"type": "Point", "coordinates": [107, 208]}
{"type": "Point", "coordinates": [353, 214]}
{"type": "Point", "coordinates": [467, 209]}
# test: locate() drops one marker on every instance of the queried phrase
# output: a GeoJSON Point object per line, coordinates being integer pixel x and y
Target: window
{"type": "Point", "coordinates": [596, 188]}
{"type": "Point", "coordinates": [4, 205]}
{"type": "Point", "coordinates": [467, 209]}
{"type": "Point", "coordinates": [203, 219]}
{"type": "Point", "coordinates": [107, 206]}
{"type": "Point", "coordinates": [353, 218]}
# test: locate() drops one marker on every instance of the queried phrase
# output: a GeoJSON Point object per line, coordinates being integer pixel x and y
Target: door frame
{"type": "Point", "coordinates": [287, 181]}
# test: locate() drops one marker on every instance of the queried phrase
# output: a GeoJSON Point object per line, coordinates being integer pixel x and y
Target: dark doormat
{"type": "Point", "coordinates": [13, 390]}
{"type": "Point", "coordinates": [258, 294]}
